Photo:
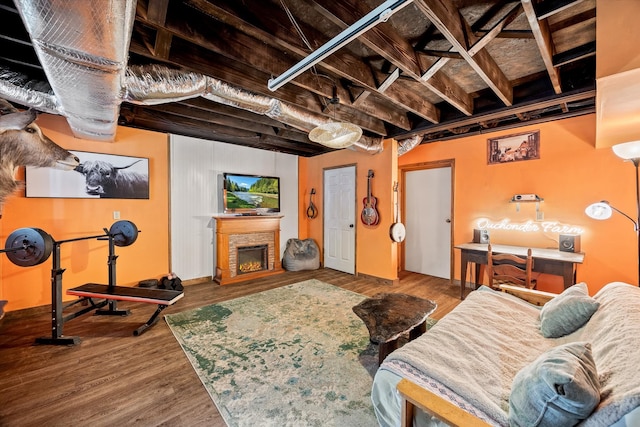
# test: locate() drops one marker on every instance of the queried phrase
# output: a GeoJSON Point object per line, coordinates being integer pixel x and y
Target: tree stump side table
{"type": "Point", "coordinates": [388, 316]}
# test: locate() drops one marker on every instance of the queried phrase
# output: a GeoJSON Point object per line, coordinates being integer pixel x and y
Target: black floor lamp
{"type": "Point", "coordinates": [603, 210]}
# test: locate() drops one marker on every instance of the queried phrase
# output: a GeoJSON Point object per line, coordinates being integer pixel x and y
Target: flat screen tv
{"type": "Point", "coordinates": [247, 194]}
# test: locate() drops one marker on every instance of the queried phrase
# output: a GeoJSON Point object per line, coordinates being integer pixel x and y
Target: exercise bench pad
{"type": "Point", "coordinates": [127, 293]}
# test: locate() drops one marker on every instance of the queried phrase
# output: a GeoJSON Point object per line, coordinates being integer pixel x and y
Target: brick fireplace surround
{"type": "Point", "coordinates": [234, 231]}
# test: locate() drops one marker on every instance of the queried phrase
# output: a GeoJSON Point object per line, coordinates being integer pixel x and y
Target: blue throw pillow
{"type": "Point", "coordinates": [560, 388]}
{"type": "Point", "coordinates": [567, 312]}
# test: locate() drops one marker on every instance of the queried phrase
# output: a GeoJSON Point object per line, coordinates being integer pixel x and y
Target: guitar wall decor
{"type": "Point", "coordinates": [369, 214]}
{"type": "Point", "coordinates": [397, 230]}
{"type": "Point", "coordinates": [312, 211]}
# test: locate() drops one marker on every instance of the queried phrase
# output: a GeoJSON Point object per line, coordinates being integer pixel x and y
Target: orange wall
{"type": "Point", "coordinates": [376, 255]}
{"type": "Point", "coordinates": [617, 33]}
{"type": "Point", "coordinates": [86, 261]}
{"type": "Point", "coordinates": [570, 175]}
{"type": "Point", "coordinates": [617, 72]}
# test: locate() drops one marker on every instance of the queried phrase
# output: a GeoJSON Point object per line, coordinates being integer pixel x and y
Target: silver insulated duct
{"type": "Point", "coordinates": [83, 48]}
{"type": "Point", "coordinates": [406, 145]}
{"type": "Point", "coordinates": [156, 84]}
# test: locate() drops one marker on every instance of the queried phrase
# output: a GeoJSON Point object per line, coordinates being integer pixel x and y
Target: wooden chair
{"type": "Point", "coordinates": [507, 269]}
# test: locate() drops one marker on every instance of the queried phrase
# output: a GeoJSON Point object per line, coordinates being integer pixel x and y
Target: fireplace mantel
{"type": "Point", "coordinates": [233, 231]}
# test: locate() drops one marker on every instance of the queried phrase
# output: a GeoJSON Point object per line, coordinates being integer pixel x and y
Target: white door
{"type": "Point", "coordinates": [340, 219]}
{"type": "Point", "coordinates": [428, 221]}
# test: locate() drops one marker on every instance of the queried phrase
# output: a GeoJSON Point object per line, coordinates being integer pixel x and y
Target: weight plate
{"type": "Point", "coordinates": [27, 247]}
{"type": "Point", "coordinates": [124, 233]}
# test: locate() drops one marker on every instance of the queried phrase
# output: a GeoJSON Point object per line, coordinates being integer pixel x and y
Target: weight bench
{"type": "Point", "coordinates": [163, 298]}
{"type": "Point", "coordinates": [122, 233]}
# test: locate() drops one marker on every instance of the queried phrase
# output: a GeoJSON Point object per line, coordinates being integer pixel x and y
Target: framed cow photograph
{"type": "Point", "coordinates": [98, 176]}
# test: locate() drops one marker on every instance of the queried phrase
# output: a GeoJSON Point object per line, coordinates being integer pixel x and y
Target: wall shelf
{"type": "Point", "coordinates": [527, 198]}
{"type": "Point", "coordinates": [523, 198]}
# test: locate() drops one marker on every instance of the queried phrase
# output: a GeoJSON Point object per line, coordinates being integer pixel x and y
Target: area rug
{"type": "Point", "coordinates": [291, 356]}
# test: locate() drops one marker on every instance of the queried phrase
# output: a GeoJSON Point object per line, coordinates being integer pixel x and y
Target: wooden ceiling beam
{"type": "Point", "coordinates": [157, 13]}
{"type": "Point", "coordinates": [486, 38]}
{"type": "Point", "coordinates": [162, 45]}
{"type": "Point", "coordinates": [479, 42]}
{"type": "Point", "coordinates": [225, 110]}
{"type": "Point", "coordinates": [388, 43]}
{"type": "Point", "coordinates": [211, 64]}
{"type": "Point", "coordinates": [520, 110]}
{"type": "Point", "coordinates": [155, 118]}
{"type": "Point", "coordinates": [546, 8]}
{"type": "Point", "coordinates": [542, 35]}
{"type": "Point", "coordinates": [445, 16]}
{"type": "Point", "coordinates": [240, 47]}
{"type": "Point", "coordinates": [341, 63]}
{"type": "Point", "coordinates": [490, 14]}
{"type": "Point", "coordinates": [183, 110]}
{"type": "Point", "coordinates": [573, 20]}
{"type": "Point", "coordinates": [507, 34]}
{"type": "Point", "coordinates": [575, 54]}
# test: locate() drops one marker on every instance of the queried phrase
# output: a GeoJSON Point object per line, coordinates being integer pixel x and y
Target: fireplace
{"type": "Point", "coordinates": [252, 258]}
{"type": "Point", "coordinates": [247, 247]}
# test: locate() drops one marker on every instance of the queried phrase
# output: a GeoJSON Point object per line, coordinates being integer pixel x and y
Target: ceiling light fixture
{"type": "Point", "coordinates": [336, 134]}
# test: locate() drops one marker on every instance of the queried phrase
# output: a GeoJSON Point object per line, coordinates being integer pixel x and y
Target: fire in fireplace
{"type": "Point", "coordinates": [252, 258]}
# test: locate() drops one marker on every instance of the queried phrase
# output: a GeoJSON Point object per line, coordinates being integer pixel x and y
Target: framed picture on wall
{"type": "Point", "coordinates": [513, 148]}
{"type": "Point", "coordinates": [99, 176]}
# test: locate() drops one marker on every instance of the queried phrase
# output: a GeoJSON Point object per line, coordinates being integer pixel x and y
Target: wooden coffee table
{"type": "Point", "coordinates": [388, 316]}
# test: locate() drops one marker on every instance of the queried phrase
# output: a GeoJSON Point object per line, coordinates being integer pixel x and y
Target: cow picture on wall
{"type": "Point", "coordinates": [99, 176]}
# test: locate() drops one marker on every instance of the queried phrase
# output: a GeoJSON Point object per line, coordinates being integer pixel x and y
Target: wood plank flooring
{"type": "Point", "coordinates": [113, 378]}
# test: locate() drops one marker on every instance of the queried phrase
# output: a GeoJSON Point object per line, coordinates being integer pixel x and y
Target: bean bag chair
{"type": "Point", "coordinates": [301, 255]}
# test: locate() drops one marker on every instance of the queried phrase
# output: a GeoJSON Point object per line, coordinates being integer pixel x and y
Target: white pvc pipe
{"type": "Point", "coordinates": [371, 19]}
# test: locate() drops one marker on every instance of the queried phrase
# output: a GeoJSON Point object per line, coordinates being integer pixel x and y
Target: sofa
{"type": "Point", "coordinates": [499, 360]}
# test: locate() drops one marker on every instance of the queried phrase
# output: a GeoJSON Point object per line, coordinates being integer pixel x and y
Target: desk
{"type": "Point", "coordinates": [549, 261]}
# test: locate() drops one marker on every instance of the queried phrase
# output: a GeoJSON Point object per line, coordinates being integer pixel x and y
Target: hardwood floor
{"type": "Point", "coordinates": [113, 378]}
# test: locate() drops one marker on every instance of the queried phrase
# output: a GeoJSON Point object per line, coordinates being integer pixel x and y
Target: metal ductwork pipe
{"type": "Point", "coordinates": [18, 88]}
{"type": "Point", "coordinates": [83, 48]}
{"type": "Point", "coordinates": [406, 145]}
{"type": "Point", "coordinates": [155, 84]}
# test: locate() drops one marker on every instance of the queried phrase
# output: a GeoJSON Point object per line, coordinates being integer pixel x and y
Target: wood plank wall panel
{"type": "Point", "coordinates": [196, 168]}
{"type": "Point", "coordinates": [192, 204]}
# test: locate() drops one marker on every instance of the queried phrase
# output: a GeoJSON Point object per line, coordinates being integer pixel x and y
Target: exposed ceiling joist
{"type": "Point", "coordinates": [436, 68]}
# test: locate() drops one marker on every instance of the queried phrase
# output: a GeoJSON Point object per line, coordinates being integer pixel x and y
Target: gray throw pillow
{"type": "Point", "coordinates": [560, 388]}
{"type": "Point", "coordinates": [567, 312]}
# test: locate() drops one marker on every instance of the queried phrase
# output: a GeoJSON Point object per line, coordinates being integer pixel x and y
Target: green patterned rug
{"type": "Point", "coordinates": [291, 356]}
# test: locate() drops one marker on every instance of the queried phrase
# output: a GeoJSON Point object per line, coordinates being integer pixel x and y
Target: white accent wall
{"type": "Point", "coordinates": [196, 167]}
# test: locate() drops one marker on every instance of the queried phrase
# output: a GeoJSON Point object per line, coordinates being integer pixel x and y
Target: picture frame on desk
{"type": "Point", "coordinates": [513, 148]}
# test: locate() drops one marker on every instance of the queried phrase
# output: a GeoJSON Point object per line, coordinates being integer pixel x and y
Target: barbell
{"type": "Point", "coordinates": [27, 247]}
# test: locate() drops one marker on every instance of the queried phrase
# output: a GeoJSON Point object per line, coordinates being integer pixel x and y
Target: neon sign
{"type": "Point", "coordinates": [529, 226]}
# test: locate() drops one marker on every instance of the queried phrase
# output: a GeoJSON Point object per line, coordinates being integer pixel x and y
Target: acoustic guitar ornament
{"type": "Point", "coordinates": [369, 214]}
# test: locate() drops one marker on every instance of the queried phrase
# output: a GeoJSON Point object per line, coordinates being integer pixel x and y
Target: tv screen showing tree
{"type": "Point", "coordinates": [247, 192]}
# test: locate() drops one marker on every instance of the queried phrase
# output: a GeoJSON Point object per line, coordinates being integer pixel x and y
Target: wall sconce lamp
{"type": "Point", "coordinates": [603, 210]}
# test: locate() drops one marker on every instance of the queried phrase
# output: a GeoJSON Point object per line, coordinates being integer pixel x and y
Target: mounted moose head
{"type": "Point", "coordinates": [22, 143]}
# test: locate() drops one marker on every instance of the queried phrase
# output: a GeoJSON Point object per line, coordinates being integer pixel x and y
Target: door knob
{"type": "Point", "coordinates": [350, 225]}
{"type": "Point", "coordinates": [447, 221]}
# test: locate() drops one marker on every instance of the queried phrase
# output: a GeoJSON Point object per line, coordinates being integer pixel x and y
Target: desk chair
{"type": "Point", "coordinates": [507, 269]}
